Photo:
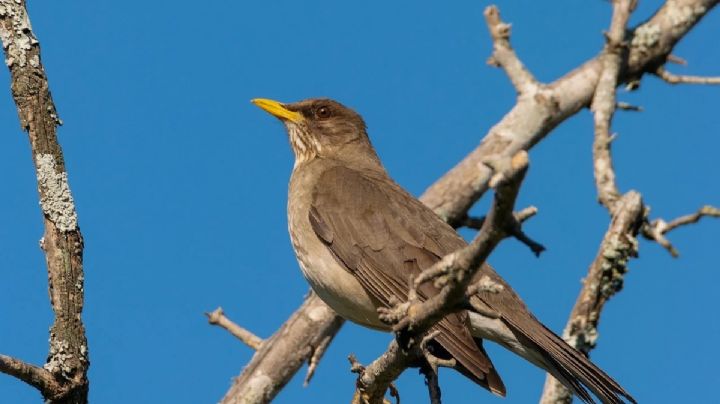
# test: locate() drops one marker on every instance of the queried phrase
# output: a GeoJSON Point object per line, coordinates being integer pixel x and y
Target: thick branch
{"type": "Point", "coordinates": [281, 355]}
{"type": "Point", "coordinates": [62, 241]}
{"type": "Point", "coordinates": [33, 375]}
{"type": "Point", "coordinates": [534, 116]}
{"type": "Point", "coordinates": [684, 79]}
{"type": "Point", "coordinates": [457, 270]}
{"type": "Point", "coordinates": [218, 318]}
{"type": "Point", "coordinates": [605, 278]}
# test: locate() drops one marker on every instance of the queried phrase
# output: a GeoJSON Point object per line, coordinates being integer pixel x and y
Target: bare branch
{"type": "Point", "coordinates": [314, 359]}
{"type": "Point", "coordinates": [517, 232]}
{"type": "Point", "coordinates": [706, 210]}
{"type": "Point", "coordinates": [433, 385]}
{"type": "Point", "coordinates": [476, 223]}
{"type": "Point", "coordinates": [33, 375]}
{"type": "Point", "coordinates": [281, 356]}
{"type": "Point", "coordinates": [62, 241]}
{"type": "Point", "coordinates": [532, 118]}
{"type": "Point", "coordinates": [218, 318]}
{"type": "Point", "coordinates": [628, 107]}
{"type": "Point", "coordinates": [603, 104]}
{"type": "Point", "coordinates": [672, 78]}
{"type": "Point", "coordinates": [677, 60]}
{"type": "Point", "coordinates": [657, 229]}
{"type": "Point", "coordinates": [526, 214]}
{"type": "Point", "coordinates": [504, 55]}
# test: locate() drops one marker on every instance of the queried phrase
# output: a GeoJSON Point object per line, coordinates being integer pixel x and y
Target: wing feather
{"type": "Point", "coordinates": [385, 237]}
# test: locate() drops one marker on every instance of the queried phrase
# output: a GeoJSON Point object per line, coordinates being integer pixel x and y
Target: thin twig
{"type": "Point", "coordinates": [672, 78]}
{"type": "Point", "coordinates": [314, 359]}
{"type": "Point", "coordinates": [218, 318]}
{"type": "Point", "coordinates": [504, 55]}
{"type": "Point", "coordinates": [517, 232]}
{"type": "Point", "coordinates": [657, 229]}
{"type": "Point", "coordinates": [628, 107]}
{"type": "Point", "coordinates": [521, 216]}
{"type": "Point", "coordinates": [676, 59]}
{"type": "Point", "coordinates": [433, 384]}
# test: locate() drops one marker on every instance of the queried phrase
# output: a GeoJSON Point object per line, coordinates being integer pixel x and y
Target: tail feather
{"type": "Point", "coordinates": [567, 364]}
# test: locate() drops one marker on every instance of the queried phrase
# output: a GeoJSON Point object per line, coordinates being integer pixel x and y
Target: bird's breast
{"type": "Point", "coordinates": [331, 281]}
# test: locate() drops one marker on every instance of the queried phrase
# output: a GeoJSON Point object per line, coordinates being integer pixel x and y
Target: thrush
{"type": "Point", "coordinates": [359, 237]}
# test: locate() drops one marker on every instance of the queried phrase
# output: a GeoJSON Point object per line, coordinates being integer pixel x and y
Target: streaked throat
{"type": "Point", "coordinates": [304, 146]}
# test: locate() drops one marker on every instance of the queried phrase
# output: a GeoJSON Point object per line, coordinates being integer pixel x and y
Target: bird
{"type": "Point", "coordinates": [359, 237]}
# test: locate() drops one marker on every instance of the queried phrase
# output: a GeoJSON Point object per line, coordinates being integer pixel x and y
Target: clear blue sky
{"type": "Point", "coordinates": [181, 185]}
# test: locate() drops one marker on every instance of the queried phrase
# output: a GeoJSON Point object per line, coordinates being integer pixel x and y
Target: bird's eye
{"type": "Point", "coordinates": [323, 112]}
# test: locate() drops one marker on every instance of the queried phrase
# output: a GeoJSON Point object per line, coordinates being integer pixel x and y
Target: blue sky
{"type": "Point", "coordinates": [181, 185]}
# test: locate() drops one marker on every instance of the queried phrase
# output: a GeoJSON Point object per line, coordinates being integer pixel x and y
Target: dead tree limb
{"type": "Point", "coordinates": [311, 327]}
{"type": "Point", "coordinates": [628, 213]}
{"type": "Point", "coordinates": [217, 317]}
{"type": "Point", "coordinates": [603, 104]}
{"type": "Point", "coordinates": [63, 378]}
{"type": "Point", "coordinates": [538, 112]}
{"type": "Point", "coordinates": [657, 229]}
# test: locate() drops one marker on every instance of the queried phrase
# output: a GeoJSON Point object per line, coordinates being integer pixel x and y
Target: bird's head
{"type": "Point", "coordinates": [320, 127]}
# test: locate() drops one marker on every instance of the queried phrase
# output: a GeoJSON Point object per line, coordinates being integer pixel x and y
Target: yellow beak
{"type": "Point", "coordinates": [278, 109]}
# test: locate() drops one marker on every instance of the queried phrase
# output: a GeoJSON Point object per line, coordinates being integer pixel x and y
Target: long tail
{"type": "Point", "coordinates": [565, 363]}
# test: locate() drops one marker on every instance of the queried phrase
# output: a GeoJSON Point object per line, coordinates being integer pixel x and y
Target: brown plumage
{"type": "Point", "coordinates": [359, 237]}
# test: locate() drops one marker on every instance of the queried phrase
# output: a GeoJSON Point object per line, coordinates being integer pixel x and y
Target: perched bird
{"type": "Point", "coordinates": [359, 237]}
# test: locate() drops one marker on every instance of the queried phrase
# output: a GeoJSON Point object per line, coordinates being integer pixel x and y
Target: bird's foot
{"type": "Point", "coordinates": [396, 312]}
{"type": "Point", "coordinates": [431, 359]}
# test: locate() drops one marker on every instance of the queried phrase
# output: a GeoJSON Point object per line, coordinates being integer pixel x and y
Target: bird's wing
{"type": "Point", "coordinates": [384, 237]}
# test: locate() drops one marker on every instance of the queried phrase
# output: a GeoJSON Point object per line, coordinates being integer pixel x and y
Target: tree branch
{"type": "Point", "coordinates": [218, 318]}
{"type": "Point", "coordinates": [672, 78]}
{"type": "Point", "coordinates": [658, 228]}
{"type": "Point", "coordinates": [606, 274]}
{"type": "Point", "coordinates": [526, 124]}
{"type": "Point", "coordinates": [521, 216]}
{"type": "Point", "coordinates": [504, 55]}
{"type": "Point", "coordinates": [33, 375]}
{"type": "Point", "coordinates": [603, 104]}
{"type": "Point", "coordinates": [535, 115]}
{"type": "Point", "coordinates": [62, 241]}
{"type": "Point", "coordinates": [313, 325]}
{"type": "Point", "coordinates": [456, 270]}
